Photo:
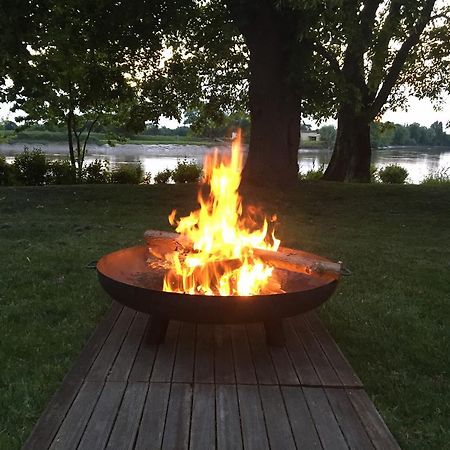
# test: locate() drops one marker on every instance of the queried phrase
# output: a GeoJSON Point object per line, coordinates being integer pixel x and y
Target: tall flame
{"type": "Point", "coordinates": [221, 261]}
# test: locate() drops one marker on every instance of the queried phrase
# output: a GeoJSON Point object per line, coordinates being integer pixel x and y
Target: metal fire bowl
{"type": "Point", "coordinates": [126, 277]}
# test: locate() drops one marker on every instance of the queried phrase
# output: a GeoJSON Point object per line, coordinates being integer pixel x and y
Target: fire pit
{"type": "Point", "coordinates": [126, 277]}
{"type": "Point", "coordinates": [224, 264]}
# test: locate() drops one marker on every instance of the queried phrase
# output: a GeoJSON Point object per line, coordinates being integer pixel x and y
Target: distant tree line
{"type": "Point", "coordinates": [383, 134]}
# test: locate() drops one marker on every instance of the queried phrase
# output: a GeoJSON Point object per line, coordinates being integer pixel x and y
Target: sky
{"type": "Point", "coordinates": [420, 111]}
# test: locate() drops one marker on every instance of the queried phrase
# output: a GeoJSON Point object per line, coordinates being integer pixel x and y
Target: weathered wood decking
{"type": "Point", "coordinates": [210, 387]}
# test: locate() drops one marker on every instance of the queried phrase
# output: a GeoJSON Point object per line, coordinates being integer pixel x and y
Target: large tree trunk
{"type": "Point", "coordinates": [275, 123]}
{"type": "Point", "coordinates": [274, 104]}
{"type": "Point", "coordinates": [352, 151]}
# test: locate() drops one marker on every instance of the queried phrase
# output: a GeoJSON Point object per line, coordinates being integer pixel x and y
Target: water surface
{"type": "Point", "coordinates": [418, 161]}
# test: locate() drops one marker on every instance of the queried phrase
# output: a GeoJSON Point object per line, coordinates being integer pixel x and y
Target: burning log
{"type": "Point", "coordinates": [162, 243]}
{"type": "Point", "coordinates": [295, 262]}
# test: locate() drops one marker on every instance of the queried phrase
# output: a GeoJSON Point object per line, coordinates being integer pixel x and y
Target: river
{"type": "Point", "coordinates": [418, 161]}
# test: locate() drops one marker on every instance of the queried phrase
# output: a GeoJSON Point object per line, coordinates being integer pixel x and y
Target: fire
{"type": "Point", "coordinates": [223, 237]}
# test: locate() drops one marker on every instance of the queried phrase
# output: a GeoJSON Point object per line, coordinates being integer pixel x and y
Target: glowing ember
{"type": "Point", "coordinates": [221, 261]}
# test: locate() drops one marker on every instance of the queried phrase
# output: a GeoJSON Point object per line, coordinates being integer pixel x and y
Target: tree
{"type": "Point", "coordinates": [277, 57]}
{"type": "Point", "coordinates": [328, 135]}
{"type": "Point", "coordinates": [78, 73]}
{"type": "Point", "coordinates": [372, 49]}
{"type": "Point", "coordinates": [240, 55]}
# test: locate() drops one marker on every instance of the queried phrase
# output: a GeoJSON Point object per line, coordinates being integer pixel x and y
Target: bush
{"type": "Point", "coordinates": [97, 172]}
{"type": "Point", "coordinates": [393, 174]}
{"type": "Point", "coordinates": [127, 174]}
{"type": "Point", "coordinates": [6, 172]}
{"type": "Point", "coordinates": [30, 167]}
{"type": "Point", "coordinates": [61, 172]}
{"type": "Point", "coordinates": [312, 174]}
{"type": "Point", "coordinates": [186, 171]}
{"type": "Point", "coordinates": [440, 176]}
{"type": "Point", "coordinates": [163, 177]}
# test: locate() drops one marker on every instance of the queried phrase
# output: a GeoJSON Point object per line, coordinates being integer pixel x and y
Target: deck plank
{"type": "Point", "coordinates": [278, 426]}
{"type": "Point", "coordinates": [163, 366]}
{"type": "Point", "coordinates": [125, 359]}
{"type": "Point", "coordinates": [145, 358]}
{"type": "Point", "coordinates": [283, 366]}
{"type": "Point", "coordinates": [203, 426]}
{"type": "Point", "coordinates": [107, 355]}
{"type": "Point", "coordinates": [254, 433]}
{"type": "Point", "coordinates": [183, 371]}
{"type": "Point", "coordinates": [71, 430]}
{"type": "Point", "coordinates": [302, 423]}
{"type": "Point", "coordinates": [243, 363]}
{"type": "Point", "coordinates": [100, 423]}
{"type": "Point", "coordinates": [204, 355]}
{"type": "Point", "coordinates": [151, 430]}
{"type": "Point", "coordinates": [227, 418]}
{"type": "Point", "coordinates": [379, 433]}
{"type": "Point", "coordinates": [326, 424]}
{"type": "Point", "coordinates": [300, 359]}
{"type": "Point", "coordinates": [348, 420]}
{"type": "Point", "coordinates": [126, 426]}
{"type": "Point", "coordinates": [333, 352]}
{"type": "Point", "coordinates": [176, 431]}
{"type": "Point", "coordinates": [265, 371]}
{"type": "Point", "coordinates": [322, 366]}
{"type": "Point", "coordinates": [223, 355]}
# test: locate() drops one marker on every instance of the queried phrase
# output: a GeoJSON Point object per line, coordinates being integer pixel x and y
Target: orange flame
{"type": "Point", "coordinates": [221, 261]}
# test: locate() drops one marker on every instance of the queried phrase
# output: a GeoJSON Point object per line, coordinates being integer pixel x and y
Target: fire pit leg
{"type": "Point", "coordinates": [274, 332]}
{"type": "Point", "coordinates": [157, 328]}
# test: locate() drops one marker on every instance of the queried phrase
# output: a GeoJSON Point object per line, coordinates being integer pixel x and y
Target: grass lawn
{"type": "Point", "coordinates": [391, 317]}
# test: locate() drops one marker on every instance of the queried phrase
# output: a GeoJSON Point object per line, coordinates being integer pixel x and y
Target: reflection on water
{"type": "Point", "coordinates": [418, 161]}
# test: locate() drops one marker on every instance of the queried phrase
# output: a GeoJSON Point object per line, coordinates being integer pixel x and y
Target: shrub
{"type": "Point", "coordinates": [186, 171]}
{"type": "Point", "coordinates": [163, 177]}
{"type": "Point", "coordinates": [6, 172]}
{"type": "Point", "coordinates": [440, 176]}
{"type": "Point", "coordinates": [393, 174]}
{"type": "Point", "coordinates": [127, 174]}
{"type": "Point", "coordinates": [312, 174]}
{"type": "Point", "coordinates": [61, 172]}
{"type": "Point", "coordinates": [97, 172]}
{"type": "Point", "coordinates": [30, 167]}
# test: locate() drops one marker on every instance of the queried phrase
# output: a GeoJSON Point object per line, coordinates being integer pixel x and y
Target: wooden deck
{"type": "Point", "coordinates": [210, 387]}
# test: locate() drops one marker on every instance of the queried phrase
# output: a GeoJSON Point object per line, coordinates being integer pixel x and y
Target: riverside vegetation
{"type": "Point", "coordinates": [31, 168]}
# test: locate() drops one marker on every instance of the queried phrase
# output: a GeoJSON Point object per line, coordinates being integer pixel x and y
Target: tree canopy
{"type": "Point", "coordinates": [277, 60]}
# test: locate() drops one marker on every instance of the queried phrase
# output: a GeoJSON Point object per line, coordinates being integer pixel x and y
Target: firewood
{"type": "Point", "coordinates": [161, 243]}
{"type": "Point", "coordinates": [296, 262]}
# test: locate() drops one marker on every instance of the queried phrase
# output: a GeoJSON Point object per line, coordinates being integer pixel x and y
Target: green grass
{"type": "Point", "coordinates": [391, 317]}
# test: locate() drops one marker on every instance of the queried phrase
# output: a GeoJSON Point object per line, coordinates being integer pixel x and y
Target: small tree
{"type": "Point", "coordinates": [69, 79]}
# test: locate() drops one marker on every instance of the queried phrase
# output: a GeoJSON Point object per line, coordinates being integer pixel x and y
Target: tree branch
{"type": "Point", "coordinates": [382, 47]}
{"type": "Point", "coordinates": [400, 58]}
{"type": "Point", "coordinates": [88, 134]}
